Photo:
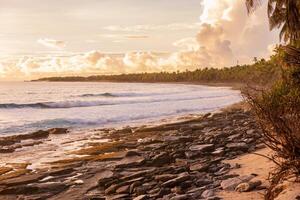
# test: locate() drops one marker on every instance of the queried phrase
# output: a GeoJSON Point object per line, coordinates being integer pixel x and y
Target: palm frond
{"type": "Point", "coordinates": [252, 5]}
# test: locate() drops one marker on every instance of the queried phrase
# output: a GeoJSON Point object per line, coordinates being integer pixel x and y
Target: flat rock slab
{"type": "Point", "coordinates": [237, 146]}
{"type": "Point", "coordinates": [141, 197]}
{"type": "Point", "coordinates": [104, 176]}
{"type": "Point", "coordinates": [181, 178]}
{"type": "Point", "coordinates": [161, 159]}
{"type": "Point", "coordinates": [131, 161]}
{"type": "Point", "coordinates": [60, 171]}
{"type": "Point", "coordinates": [78, 192]}
{"type": "Point", "coordinates": [202, 147]}
{"type": "Point", "coordinates": [25, 179]}
{"type": "Point", "coordinates": [199, 167]}
{"type": "Point", "coordinates": [232, 183]}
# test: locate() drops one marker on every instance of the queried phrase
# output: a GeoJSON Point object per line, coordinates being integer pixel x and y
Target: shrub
{"type": "Point", "coordinates": [278, 113]}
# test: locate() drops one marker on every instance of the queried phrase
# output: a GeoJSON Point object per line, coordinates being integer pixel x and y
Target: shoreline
{"type": "Point", "coordinates": [184, 160]}
{"type": "Point", "coordinates": [232, 85]}
{"type": "Point", "coordinates": [207, 157]}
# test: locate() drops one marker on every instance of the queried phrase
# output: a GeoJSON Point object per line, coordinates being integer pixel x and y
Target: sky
{"type": "Point", "coordinates": [40, 38]}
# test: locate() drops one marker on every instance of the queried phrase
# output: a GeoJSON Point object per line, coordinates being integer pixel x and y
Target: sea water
{"type": "Point", "coordinates": [30, 106]}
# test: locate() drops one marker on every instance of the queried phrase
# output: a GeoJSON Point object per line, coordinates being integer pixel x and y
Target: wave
{"type": "Point", "coordinates": [106, 94]}
{"type": "Point", "coordinates": [132, 94]}
{"type": "Point", "coordinates": [74, 104]}
{"type": "Point", "coordinates": [53, 105]}
{"type": "Point", "coordinates": [98, 121]}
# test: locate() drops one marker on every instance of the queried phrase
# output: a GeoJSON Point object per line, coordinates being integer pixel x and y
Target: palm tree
{"type": "Point", "coordinates": [278, 108]}
{"type": "Point", "coordinates": [284, 14]}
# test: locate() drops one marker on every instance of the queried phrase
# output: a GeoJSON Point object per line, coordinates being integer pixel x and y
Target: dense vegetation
{"type": "Point", "coordinates": [262, 72]}
{"type": "Point", "coordinates": [278, 108]}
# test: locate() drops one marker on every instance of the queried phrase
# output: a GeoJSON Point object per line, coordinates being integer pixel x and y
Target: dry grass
{"type": "Point", "coordinates": [278, 114]}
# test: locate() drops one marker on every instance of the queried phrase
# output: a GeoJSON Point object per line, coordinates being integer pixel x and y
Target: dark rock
{"type": "Point", "coordinates": [53, 187]}
{"type": "Point", "coordinates": [123, 189]}
{"type": "Point", "coordinates": [132, 161]}
{"type": "Point", "coordinates": [132, 153]}
{"type": "Point", "coordinates": [111, 189]}
{"type": "Point", "coordinates": [181, 197]}
{"type": "Point", "coordinates": [200, 167]}
{"type": "Point", "coordinates": [246, 187]}
{"type": "Point", "coordinates": [192, 154]}
{"type": "Point", "coordinates": [241, 146]}
{"type": "Point", "coordinates": [104, 176]}
{"type": "Point", "coordinates": [30, 143]}
{"type": "Point", "coordinates": [6, 141]}
{"type": "Point", "coordinates": [57, 131]}
{"type": "Point", "coordinates": [134, 175]}
{"type": "Point", "coordinates": [22, 189]}
{"type": "Point", "coordinates": [202, 147]}
{"type": "Point", "coordinates": [142, 189]}
{"type": "Point", "coordinates": [60, 171]}
{"type": "Point", "coordinates": [218, 152]}
{"type": "Point", "coordinates": [76, 192]}
{"type": "Point", "coordinates": [230, 184]}
{"type": "Point", "coordinates": [250, 132]}
{"type": "Point", "coordinates": [173, 182]}
{"type": "Point", "coordinates": [165, 177]}
{"type": "Point", "coordinates": [203, 182]}
{"type": "Point", "coordinates": [25, 179]}
{"type": "Point", "coordinates": [118, 197]}
{"type": "Point", "coordinates": [154, 191]}
{"type": "Point", "coordinates": [234, 137]}
{"type": "Point", "coordinates": [196, 192]}
{"type": "Point", "coordinates": [134, 185]}
{"type": "Point", "coordinates": [35, 135]}
{"type": "Point", "coordinates": [208, 193]}
{"type": "Point", "coordinates": [7, 150]}
{"type": "Point", "coordinates": [141, 197]}
{"type": "Point", "coordinates": [161, 159]}
{"type": "Point", "coordinates": [177, 190]}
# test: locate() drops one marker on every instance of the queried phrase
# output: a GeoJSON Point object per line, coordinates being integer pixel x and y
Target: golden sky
{"type": "Point", "coordinates": [41, 38]}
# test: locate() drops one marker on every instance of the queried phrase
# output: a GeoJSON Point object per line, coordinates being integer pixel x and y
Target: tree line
{"type": "Point", "coordinates": [260, 73]}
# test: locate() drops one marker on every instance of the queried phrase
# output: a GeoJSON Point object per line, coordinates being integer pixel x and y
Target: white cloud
{"type": "Point", "coordinates": [187, 44]}
{"type": "Point", "coordinates": [249, 36]}
{"type": "Point", "coordinates": [124, 36]}
{"type": "Point", "coordinates": [225, 34]}
{"type": "Point", "coordinates": [51, 43]}
{"type": "Point", "coordinates": [151, 27]}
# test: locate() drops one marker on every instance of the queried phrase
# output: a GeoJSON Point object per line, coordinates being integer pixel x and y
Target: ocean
{"type": "Point", "coordinates": [31, 106]}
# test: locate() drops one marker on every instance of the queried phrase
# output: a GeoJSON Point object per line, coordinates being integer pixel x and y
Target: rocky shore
{"type": "Point", "coordinates": [176, 161]}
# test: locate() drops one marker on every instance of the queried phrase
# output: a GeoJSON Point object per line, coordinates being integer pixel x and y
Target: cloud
{"type": "Point", "coordinates": [188, 44]}
{"type": "Point", "coordinates": [124, 36]}
{"type": "Point", "coordinates": [137, 36]}
{"type": "Point", "coordinates": [249, 36]}
{"type": "Point", "coordinates": [225, 34]}
{"type": "Point", "coordinates": [151, 27]}
{"type": "Point", "coordinates": [51, 43]}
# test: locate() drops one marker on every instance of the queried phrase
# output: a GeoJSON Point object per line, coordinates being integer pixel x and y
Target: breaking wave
{"type": "Point", "coordinates": [74, 104]}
